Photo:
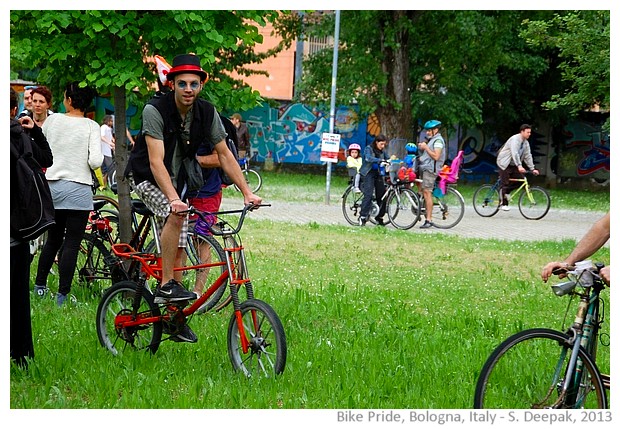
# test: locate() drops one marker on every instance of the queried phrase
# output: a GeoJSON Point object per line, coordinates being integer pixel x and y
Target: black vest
{"type": "Point", "coordinates": [138, 163]}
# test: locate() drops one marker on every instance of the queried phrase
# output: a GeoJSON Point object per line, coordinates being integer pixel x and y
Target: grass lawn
{"type": "Point", "coordinates": [373, 318]}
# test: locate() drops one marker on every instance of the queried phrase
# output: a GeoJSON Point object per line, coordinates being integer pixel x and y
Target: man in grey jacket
{"type": "Point", "coordinates": [510, 159]}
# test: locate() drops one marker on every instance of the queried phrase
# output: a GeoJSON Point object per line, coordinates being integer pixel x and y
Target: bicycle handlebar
{"type": "Point", "coordinates": [579, 278]}
{"type": "Point", "coordinates": [209, 222]}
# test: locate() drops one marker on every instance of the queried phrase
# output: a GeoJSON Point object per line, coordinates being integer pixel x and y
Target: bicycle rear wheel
{"type": "Point", "coordinates": [403, 208]}
{"type": "Point", "coordinates": [253, 179]}
{"type": "Point", "coordinates": [535, 205]}
{"type": "Point", "coordinates": [528, 369]}
{"type": "Point", "coordinates": [352, 205]}
{"type": "Point", "coordinates": [266, 355]}
{"type": "Point", "coordinates": [116, 305]}
{"type": "Point", "coordinates": [486, 200]}
{"type": "Point", "coordinates": [449, 209]}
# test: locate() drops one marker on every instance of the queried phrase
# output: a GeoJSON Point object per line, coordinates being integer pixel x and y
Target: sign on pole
{"type": "Point", "coordinates": [330, 145]}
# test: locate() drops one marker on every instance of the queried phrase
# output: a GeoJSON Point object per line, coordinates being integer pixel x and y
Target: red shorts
{"type": "Point", "coordinates": [206, 204]}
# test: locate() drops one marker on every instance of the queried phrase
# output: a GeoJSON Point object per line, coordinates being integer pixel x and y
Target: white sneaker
{"type": "Point", "coordinates": [357, 190]}
{"type": "Point", "coordinates": [506, 208]}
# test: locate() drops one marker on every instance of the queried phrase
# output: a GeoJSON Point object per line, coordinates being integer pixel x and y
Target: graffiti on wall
{"type": "Point", "coordinates": [292, 133]}
{"type": "Point", "coordinates": [584, 151]}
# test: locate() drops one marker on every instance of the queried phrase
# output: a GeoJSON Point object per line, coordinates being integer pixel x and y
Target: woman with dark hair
{"type": "Point", "coordinates": [372, 178]}
{"type": "Point", "coordinates": [76, 144]}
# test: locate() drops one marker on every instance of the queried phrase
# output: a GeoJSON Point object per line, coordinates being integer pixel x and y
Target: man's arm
{"type": "Point", "coordinates": [594, 239]}
{"type": "Point", "coordinates": [434, 153]}
{"type": "Point", "coordinates": [209, 161]}
{"type": "Point", "coordinates": [156, 162]}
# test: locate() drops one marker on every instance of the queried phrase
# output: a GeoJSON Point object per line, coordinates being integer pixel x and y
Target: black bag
{"type": "Point", "coordinates": [33, 213]}
{"type": "Point", "coordinates": [231, 142]}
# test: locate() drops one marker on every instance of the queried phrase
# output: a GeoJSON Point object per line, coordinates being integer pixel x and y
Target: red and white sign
{"type": "Point", "coordinates": [330, 145]}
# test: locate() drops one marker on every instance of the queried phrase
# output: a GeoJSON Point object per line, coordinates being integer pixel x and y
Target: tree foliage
{"type": "Point", "coordinates": [582, 42]}
{"type": "Point", "coordinates": [110, 51]}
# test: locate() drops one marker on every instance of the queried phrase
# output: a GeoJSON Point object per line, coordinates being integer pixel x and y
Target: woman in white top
{"type": "Point", "coordinates": [76, 146]}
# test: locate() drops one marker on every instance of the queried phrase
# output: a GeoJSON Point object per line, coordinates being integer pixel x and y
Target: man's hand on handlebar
{"type": "Point", "coordinates": [554, 268]}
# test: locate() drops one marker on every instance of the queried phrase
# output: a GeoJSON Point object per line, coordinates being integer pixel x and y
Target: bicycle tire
{"type": "Point", "coordinates": [253, 179]}
{"type": "Point", "coordinates": [109, 200]}
{"type": "Point", "coordinates": [93, 261]}
{"type": "Point", "coordinates": [538, 206]}
{"type": "Point", "coordinates": [403, 208]}
{"type": "Point", "coordinates": [486, 200]}
{"type": "Point", "coordinates": [267, 353]}
{"type": "Point", "coordinates": [206, 276]}
{"type": "Point", "coordinates": [449, 209]}
{"type": "Point", "coordinates": [352, 205]}
{"type": "Point", "coordinates": [118, 300]}
{"type": "Point", "coordinates": [522, 373]}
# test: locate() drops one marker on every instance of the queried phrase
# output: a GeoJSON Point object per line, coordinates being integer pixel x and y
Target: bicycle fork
{"type": "Point", "coordinates": [237, 267]}
{"type": "Point", "coordinates": [571, 385]}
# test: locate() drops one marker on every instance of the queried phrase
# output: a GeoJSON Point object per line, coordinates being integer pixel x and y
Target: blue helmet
{"type": "Point", "coordinates": [411, 148]}
{"type": "Point", "coordinates": [433, 123]}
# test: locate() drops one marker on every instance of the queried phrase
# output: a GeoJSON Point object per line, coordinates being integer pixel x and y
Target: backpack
{"type": "Point", "coordinates": [231, 142]}
{"type": "Point", "coordinates": [33, 212]}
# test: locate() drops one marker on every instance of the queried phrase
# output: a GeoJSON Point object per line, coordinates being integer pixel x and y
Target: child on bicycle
{"type": "Point", "coordinates": [354, 163]}
{"type": "Point", "coordinates": [407, 172]}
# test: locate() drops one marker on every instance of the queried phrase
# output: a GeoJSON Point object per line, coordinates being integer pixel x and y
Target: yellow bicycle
{"type": "Point", "coordinates": [533, 201]}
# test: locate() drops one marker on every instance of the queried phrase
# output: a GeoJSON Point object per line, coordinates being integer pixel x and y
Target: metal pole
{"type": "Point", "coordinates": [299, 55]}
{"type": "Point", "coordinates": [332, 110]}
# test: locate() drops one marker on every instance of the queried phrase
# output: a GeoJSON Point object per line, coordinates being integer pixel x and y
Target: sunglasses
{"type": "Point", "coordinates": [193, 86]}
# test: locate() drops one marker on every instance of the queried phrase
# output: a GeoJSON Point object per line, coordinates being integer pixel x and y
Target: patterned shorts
{"type": "Point", "coordinates": [156, 202]}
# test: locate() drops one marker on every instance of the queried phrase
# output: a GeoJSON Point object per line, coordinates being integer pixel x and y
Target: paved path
{"type": "Point", "coordinates": [557, 225]}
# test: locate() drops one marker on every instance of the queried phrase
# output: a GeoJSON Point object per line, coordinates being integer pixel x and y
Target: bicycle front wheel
{"type": "Point", "coordinates": [403, 208]}
{"type": "Point", "coordinates": [528, 370]}
{"type": "Point", "coordinates": [449, 209]}
{"type": "Point", "coordinates": [534, 204]}
{"type": "Point", "coordinates": [352, 205]}
{"type": "Point", "coordinates": [115, 306]}
{"type": "Point", "coordinates": [486, 200]}
{"type": "Point", "coordinates": [253, 179]}
{"type": "Point", "coordinates": [266, 355]}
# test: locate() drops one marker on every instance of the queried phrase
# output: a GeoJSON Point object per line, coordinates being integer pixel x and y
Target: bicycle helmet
{"type": "Point", "coordinates": [354, 146]}
{"type": "Point", "coordinates": [411, 148]}
{"type": "Point", "coordinates": [433, 123]}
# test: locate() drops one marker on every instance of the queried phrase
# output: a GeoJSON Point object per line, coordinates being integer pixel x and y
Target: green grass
{"type": "Point", "coordinates": [278, 186]}
{"type": "Point", "coordinates": [374, 318]}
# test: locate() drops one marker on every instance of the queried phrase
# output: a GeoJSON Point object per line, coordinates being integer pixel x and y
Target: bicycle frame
{"type": "Point", "coordinates": [525, 184]}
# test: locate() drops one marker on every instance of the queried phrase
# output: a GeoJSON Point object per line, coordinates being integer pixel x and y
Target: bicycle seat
{"type": "Point", "coordinates": [98, 205]}
{"type": "Point", "coordinates": [140, 208]}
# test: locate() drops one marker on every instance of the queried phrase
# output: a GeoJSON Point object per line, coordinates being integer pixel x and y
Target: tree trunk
{"type": "Point", "coordinates": [395, 117]}
{"type": "Point", "coordinates": [121, 155]}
